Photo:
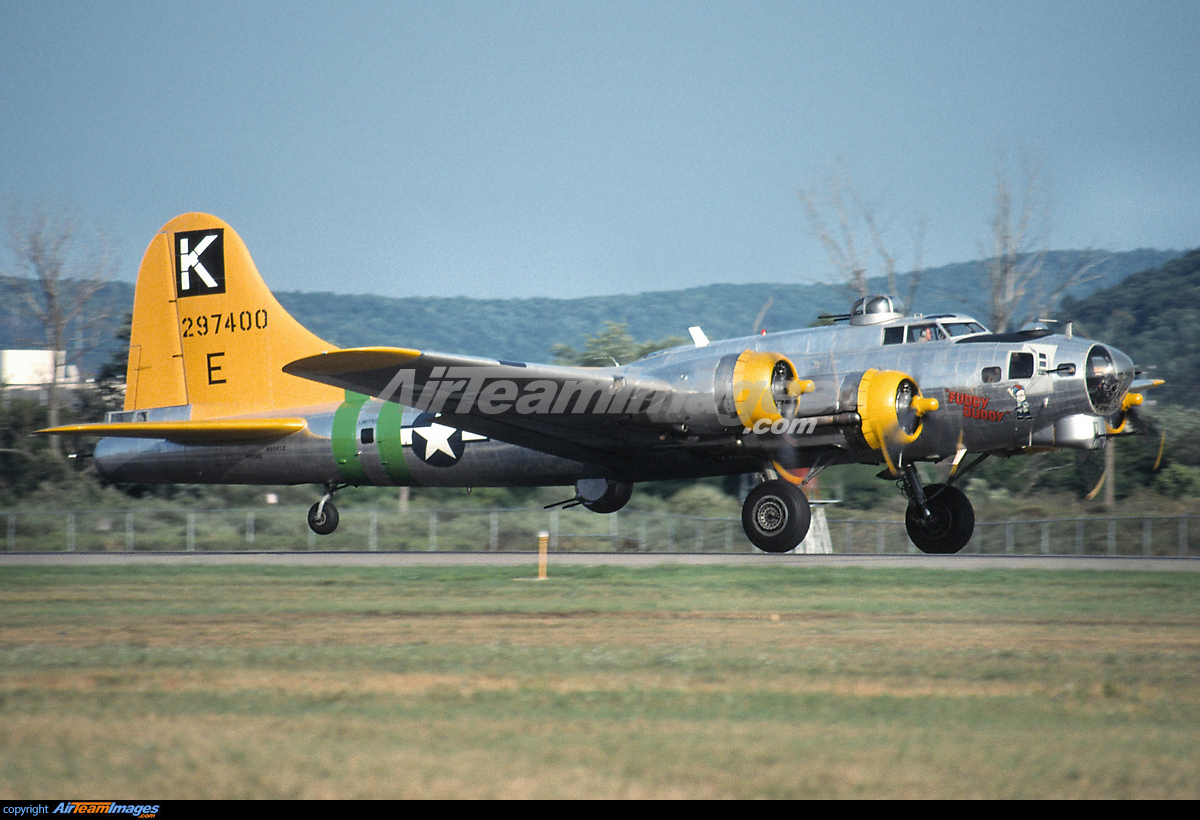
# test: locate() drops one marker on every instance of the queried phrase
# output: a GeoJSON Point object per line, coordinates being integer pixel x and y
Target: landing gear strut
{"type": "Point", "coordinates": [939, 519]}
{"type": "Point", "coordinates": [323, 516]}
{"type": "Point", "coordinates": [776, 516]}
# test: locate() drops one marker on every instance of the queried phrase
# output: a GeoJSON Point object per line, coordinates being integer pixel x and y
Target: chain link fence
{"type": "Point", "coordinates": [285, 528]}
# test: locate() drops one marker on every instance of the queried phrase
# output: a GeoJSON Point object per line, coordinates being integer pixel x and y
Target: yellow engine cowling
{"type": "Point", "coordinates": [891, 408]}
{"type": "Point", "coordinates": [765, 387]}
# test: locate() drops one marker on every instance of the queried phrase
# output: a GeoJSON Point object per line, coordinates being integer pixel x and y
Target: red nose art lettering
{"type": "Point", "coordinates": [974, 407]}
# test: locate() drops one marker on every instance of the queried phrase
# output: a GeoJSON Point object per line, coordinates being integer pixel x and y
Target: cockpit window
{"type": "Point", "coordinates": [925, 333]}
{"type": "Point", "coordinates": [963, 328]}
{"type": "Point", "coordinates": [931, 332]}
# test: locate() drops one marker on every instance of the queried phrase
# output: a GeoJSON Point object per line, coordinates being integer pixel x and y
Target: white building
{"type": "Point", "coordinates": [25, 371]}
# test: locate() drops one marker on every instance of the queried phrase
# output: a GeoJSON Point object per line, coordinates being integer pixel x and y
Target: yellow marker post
{"type": "Point", "coordinates": [543, 544]}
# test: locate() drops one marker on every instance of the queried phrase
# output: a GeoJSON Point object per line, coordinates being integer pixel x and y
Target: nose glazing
{"type": "Point", "coordinates": [1109, 374]}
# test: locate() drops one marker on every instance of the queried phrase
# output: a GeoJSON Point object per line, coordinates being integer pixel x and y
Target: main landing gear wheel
{"type": "Point", "coordinates": [950, 522]}
{"type": "Point", "coordinates": [323, 517]}
{"type": "Point", "coordinates": [776, 516]}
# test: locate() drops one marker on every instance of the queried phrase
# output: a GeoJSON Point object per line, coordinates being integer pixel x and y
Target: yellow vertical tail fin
{"type": "Point", "coordinates": [207, 332]}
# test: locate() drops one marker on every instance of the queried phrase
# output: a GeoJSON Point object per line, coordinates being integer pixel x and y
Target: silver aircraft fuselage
{"type": "Point", "coordinates": [996, 393]}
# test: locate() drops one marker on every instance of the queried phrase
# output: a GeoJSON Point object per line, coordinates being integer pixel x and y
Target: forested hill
{"type": "Point", "coordinates": [1154, 316]}
{"type": "Point", "coordinates": [527, 329]}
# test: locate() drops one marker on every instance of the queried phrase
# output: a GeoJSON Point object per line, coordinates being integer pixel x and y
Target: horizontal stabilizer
{"type": "Point", "coordinates": [216, 431]}
{"type": "Point", "coordinates": [355, 360]}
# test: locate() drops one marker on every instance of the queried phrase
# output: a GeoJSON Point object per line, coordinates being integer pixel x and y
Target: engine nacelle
{"type": "Point", "coordinates": [763, 387]}
{"type": "Point", "coordinates": [879, 406]}
{"type": "Point", "coordinates": [736, 392]}
{"type": "Point", "coordinates": [892, 408]}
{"type": "Point", "coordinates": [755, 390]}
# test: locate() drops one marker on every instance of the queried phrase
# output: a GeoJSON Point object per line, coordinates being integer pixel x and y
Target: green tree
{"type": "Point", "coordinates": [108, 388]}
{"type": "Point", "coordinates": [613, 346]}
{"type": "Point", "coordinates": [24, 459]}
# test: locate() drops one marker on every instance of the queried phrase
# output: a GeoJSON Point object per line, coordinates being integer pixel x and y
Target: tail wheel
{"type": "Point", "coordinates": [776, 516]}
{"type": "Point", "coordinates": [949, 525]}
{"type": "Point", "coordinates": [323, 521]}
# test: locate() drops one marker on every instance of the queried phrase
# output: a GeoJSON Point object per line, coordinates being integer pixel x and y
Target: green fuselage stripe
{"type": "Point", "coordinates": [345, 439]}
{"type": "Point", "coordinates": [391, 453]}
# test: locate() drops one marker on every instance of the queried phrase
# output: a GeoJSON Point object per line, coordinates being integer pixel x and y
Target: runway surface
{"type": "Point", "coordinates": [640, 559]}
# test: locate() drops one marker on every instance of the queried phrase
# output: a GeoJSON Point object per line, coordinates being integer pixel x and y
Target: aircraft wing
{"type": "Point", "coordinates": [575, 412]}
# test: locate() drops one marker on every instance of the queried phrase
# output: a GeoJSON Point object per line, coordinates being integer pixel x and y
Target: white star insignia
{"type": "Point", "coordinates": [437, 440]}
{"type": "Point", "coordinates": [436, 444]}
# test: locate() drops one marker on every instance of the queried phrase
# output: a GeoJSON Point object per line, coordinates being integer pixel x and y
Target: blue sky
{"type": "Point", "coordinates": [571, 149]}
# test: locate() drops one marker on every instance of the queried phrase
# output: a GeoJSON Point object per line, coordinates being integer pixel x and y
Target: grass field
{"type": "Point", "coordinates": [666, 682]}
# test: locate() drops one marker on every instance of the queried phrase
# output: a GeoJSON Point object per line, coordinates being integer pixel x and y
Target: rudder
{"type": "Point", "coordinates": [207, 332]}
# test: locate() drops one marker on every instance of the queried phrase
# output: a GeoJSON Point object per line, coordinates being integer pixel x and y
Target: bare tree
{"type": "Point", "coordinates": [1024, 281]}
{"type": "Point", "coordinates": [848, 229]}
{"type": "Point", "coordinates": [1018, 229]}
{"type": "Point", "coordinates": [59, 268]}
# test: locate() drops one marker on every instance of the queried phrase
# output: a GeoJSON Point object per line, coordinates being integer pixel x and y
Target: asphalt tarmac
{"type": "Point", "coordinates": [639, 559]}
